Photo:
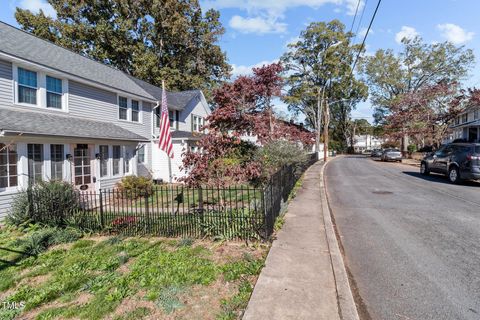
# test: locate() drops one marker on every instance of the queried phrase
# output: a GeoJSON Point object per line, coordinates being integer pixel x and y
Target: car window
{"type": "Point", "coordinates": [477, 149]}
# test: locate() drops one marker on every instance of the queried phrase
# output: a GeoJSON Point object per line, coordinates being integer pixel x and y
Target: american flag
{"type": "Point", "coordinates": [165, 138]}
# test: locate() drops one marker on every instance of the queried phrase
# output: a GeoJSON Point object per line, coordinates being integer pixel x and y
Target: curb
{"type": "Point", "coordinates": [346, 303]}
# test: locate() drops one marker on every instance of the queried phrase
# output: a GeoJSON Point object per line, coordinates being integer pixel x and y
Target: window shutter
{"type": "Point", "coordinates": [192, 118]}
{"type": "Point", "coordinates": [177, 117]}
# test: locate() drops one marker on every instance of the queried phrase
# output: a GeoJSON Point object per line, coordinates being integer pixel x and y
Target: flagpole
{"type": "Point", "coordinates": [170, 176]}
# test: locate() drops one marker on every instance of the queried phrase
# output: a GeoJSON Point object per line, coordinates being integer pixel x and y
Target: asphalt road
{"type": "Point", "coordinates": [411, 243]}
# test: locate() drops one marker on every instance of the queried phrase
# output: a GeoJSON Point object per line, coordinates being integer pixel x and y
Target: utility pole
{"type": "Point", "coordinates": [325, 131]}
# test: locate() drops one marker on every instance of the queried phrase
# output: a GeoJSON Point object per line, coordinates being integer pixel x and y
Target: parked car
{"type": "Point", "coordinates": [366, 151]}
{"type": "Point", "coordinates": [376, 153]}
{"type": "Point", "coordinates": [456, 160]}
{"type": "Point", "coordinates": [391, 155]}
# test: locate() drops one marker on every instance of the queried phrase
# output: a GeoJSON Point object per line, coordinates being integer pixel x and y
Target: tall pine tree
{"type": "Point", "coordinates": [153, 40]}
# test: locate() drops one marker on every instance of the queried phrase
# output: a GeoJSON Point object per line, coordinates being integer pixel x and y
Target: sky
{"type": "Point", "coordinates": [257, 32]}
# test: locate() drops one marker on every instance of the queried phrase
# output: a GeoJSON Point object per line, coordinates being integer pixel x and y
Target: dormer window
{"type": "Point", "coordinates": [27, 86]}
{"type": "Point", "coordinates": [54, 93]}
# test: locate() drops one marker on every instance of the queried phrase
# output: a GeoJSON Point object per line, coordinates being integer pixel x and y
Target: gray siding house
{"type": "Point", "coordinates": [67, 117]}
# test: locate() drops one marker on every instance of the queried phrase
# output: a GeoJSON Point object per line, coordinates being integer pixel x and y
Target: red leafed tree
{"type": "Point", "coordinates": [242, 107]}
{"type": "Point", "coordinates": [424, 114]}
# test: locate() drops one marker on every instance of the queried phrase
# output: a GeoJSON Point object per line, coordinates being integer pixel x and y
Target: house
{"type": "Point", "coordinates": [366, 142]}
{"type": "Point", "coordinates": [67, 117]}
{"type": "Point", "coordinates": [466, 125]}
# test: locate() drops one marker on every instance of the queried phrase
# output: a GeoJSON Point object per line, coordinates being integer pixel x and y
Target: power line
{"type": "Point", "coordinates": [365, 37]}
{"type": "Point", "coordinates": [355, 16]}
{"type": "Point", "coordinates": [361, 18]}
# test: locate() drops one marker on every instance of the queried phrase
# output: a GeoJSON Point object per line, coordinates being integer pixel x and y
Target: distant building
{"type": "Point", "coordinates": [366, 142]}
{"type": "Point", "coordinates": [466, 125]}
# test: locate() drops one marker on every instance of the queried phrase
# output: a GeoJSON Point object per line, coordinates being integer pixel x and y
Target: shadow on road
{"type": "Point", "coordinates": [437, 178]}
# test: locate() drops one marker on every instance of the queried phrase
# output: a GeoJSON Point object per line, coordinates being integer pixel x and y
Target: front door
{"type": "Point", "coordinates": [82, 162]}
{"type": "Point", "coordinates": [472, 134]}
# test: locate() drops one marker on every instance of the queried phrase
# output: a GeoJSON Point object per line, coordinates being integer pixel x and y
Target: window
{"type": "Point", "coordinates": [122, 108]}
{"type": "Point", "coordinates": [35, 163]}
{"type": "Point", "coordinates": [126, 160]}
{"type": "Point", "coordinates": [81, 161]}
{"type": "Point", "coordinates": [56, 160]}
{"type": "Point", "coordinates": [141, 154]}
{"type": "Point", "coordinates": [465, 118]}
{"type": "Point", "coordinates": [8, 165]}
{"type": "Point", "coordinates": [135, 111]}
{"type": "Point", "coordinates": [157, 117]}
{"type": "Point", "coordinates": [54, 93]}
{"type": "Point", "coordinates": [103, 161]}
{"type": "Point", "coordinates": [27, 86]}
{"type": "Point", "coordinates": [171, 117]}
{"type": "Point", "coordinates": [116, 160]}
{"type": "Point", "coordinates": [457, 120]}
{"type": "Point", "coordinates": [197, 123]}
{"type": "Point", "coordinates": [475, 114]}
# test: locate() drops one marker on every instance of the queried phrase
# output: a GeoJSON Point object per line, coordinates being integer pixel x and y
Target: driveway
{"type": "Point", "coordinates": [411, 243]}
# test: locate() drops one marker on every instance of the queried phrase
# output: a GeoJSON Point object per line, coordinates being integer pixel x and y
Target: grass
{"type": "Point", "coordinates": [124, 278]}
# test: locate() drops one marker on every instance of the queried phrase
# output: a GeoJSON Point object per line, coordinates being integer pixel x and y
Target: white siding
{"type": "Point", "coordinates": [6, 83]}
{"type": "Point", "coordinates": [160, 161]}
{"type": "Point", "coordinates": [195, 107]}
{"type": "Point", "coordinates": [5, 202]}
{"type": "Point", "coordinates": [109, 183]}
{"type": "Point", "coordinates": [97, 104]}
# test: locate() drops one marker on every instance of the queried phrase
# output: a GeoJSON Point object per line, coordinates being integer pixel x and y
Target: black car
{"type": "Point", "coordinates": [456, 160]}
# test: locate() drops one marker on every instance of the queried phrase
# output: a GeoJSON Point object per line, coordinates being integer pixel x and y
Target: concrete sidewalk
{"type": "Point", "coordinates": [299, 280]}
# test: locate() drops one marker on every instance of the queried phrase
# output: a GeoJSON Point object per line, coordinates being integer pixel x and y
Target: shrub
{"type": "Point", "coordinates": [52, 202]}
{"type": "Point", "coordinates": [19, 213]}
{"type": "Point", "coordinates": [278, 153]}
{"type": "Point", "coordinates": [40, 240]}
{"type": "Point", "coordinates": [411, 148]}
{"type": "Point", "coordinates": [133, 187]}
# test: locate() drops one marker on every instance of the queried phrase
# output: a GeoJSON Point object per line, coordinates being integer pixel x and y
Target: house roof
{"type": "Point", "coordinates": [176, 100]}
{"type": "Point", "coordinates": [41, 123]}
{"type": "Point", "coordinates": [24, 45]}
{"type": "Point", "coordinates": [468, 123]}
{"type": "Point", "coordinates": [187, 135]}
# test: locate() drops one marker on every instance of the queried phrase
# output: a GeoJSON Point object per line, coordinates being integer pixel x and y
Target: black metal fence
{"type": "Point", "coordinates": [238, 212]}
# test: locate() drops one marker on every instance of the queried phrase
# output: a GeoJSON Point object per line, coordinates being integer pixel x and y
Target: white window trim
{"type": "Point", "coordinates": [129, 109]}
{"type": "Point", "coordinates": [201, 124]}
{"type": "Point", "coordinates": [14, 189]}
{"type": "Point", "coordinates": [41, 89]}
{"type": "Point", "coordinates": [120, 160]}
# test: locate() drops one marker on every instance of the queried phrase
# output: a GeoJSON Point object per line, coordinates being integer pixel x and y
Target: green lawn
{"type": "Point", "coordinates": [63, 276]}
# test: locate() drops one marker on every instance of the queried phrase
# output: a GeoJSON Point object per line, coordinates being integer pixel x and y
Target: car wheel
{"type": "Point", "coordinates": [454, 175]}
{"type": "Point", "coordinates": [424, 169]}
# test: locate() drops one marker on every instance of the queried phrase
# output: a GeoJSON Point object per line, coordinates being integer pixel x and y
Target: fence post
{"type": "Point", "coordinates": [200, 203]}
{"type": "Point", "coordinates": [102, 218]}
{"type": "Point", "coordinates": [147, 213]}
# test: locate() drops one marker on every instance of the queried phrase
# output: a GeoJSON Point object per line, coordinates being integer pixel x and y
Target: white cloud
{"type": "Point", "coordinates": [37, 5]}
{"type": "Point", "coordinates": [406, 32]}
{"type": "Point", "coordinates": [257, 25]}
{"type": "Point", "coordinates": [292, 40]}
{"type": "Point", "coordinates": [243, 70]}
{"type": "Point", "coordinates": [352, 6]}
{"type": "Point", "coordinates": [363, 31]}
{"type": "Point", "coordinates": [455, 34]}
{"type": "Point", "coordinates": [266, 16]}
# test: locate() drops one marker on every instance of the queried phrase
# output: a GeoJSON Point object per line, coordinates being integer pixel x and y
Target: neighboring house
{"type": "Point", "coordinates": [366, 142]}
{"type": "Point", "coordinates": [466, 125]}
{"type": "Point", "coordinates": [67, 117]}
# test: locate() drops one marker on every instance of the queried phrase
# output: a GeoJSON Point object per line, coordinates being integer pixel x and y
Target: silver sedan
{"type": "Point", "coordinates": [391, 155]}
